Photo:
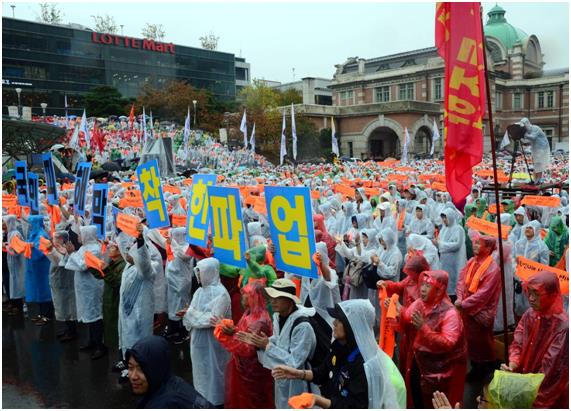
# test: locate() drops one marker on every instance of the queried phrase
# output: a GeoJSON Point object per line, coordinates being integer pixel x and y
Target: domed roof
{"type": "Point", "coordinates": [498, 27]}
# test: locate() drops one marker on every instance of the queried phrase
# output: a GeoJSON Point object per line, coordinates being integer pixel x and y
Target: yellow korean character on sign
{"type": "Point", "coordinates": [198, 210]}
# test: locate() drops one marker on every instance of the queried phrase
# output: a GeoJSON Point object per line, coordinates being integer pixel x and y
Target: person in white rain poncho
{"type": "Point", "coordinates": [362, 203]}
{"type": "Point", "coordinates": [88, 289]}
{"type": "Point", "coordinates": [153, 240]}
{"type": "Point", "coordinates": [385, 219]}
{"type": "Point", "coordinates": [417, 242]}
{"type": "Point", "coordinates": [539, 148]}
{"type": "Point", "coordinates": [344, 218]}
{"type": "Point", "coordinates": [136, 297]}
{"type": "Point", "coordinates": [509, 279]}
{"type": "Point", "coordinates": [327, 212]}
{"type": "Point", "coordinates": [420, 223]}
{"type": "Point", "coordinates": [178, 275]}
{"type": "Point", "coordinates": [452, 246]}
{"type": "Point", "coordinates": [521, 219]}
{"type": "Point", "coordinates": [210, 302]}
{"type": "Point", "coordinates": [16, 263]}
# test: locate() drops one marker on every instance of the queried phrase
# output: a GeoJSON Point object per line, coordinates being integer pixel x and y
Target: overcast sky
{"type": "Point", "coordinates": [310, 37]}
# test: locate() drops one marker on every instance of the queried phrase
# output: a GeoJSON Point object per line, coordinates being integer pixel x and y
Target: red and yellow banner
{"type": "Point", "coordinates": [458, 36]}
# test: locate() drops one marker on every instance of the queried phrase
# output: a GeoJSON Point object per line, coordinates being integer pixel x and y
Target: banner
{"type": "Point", "coordinates": [50, 178]}
{"type": "Point", "coordinates": [542, 201]}
{"type": "Point", "coordinates": [91, 261]}
{"type": "Point", "coordinates": [291, 229]}
{"type": "Point", "coordinates": [21, 174]}
{"type": "Point", "coordinates": [228, 237]}
{"type": "Point", "coordinates": [525, 269]}
{"type": "Point", "coordinates": [178, 220]}
{"type": "Point", "coordinates": [34, 193]}
{"type": "Point", "coordinates": [99, 209]}
{"type": "Point", "coordinates": [458, 38]}
{"type": "Point", "coordinates": [198, 216]}
{"type": "Point", "coordinates": [128, 224]}
{"type": "Point", "coordinates": [487, 227]}
{"type": "Point", "coordinates": [81, 181]}
{"type": "Point", "coordinates": [152, 192]}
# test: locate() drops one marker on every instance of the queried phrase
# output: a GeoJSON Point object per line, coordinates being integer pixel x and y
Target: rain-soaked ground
{"type": "Point", "coordinates": [40, 372]}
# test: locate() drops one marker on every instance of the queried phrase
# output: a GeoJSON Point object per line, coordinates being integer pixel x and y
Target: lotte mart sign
{"type": "Point", "coordinates": [130, 42]}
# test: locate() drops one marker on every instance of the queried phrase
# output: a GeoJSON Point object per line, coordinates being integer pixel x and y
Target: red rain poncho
{"type": "Point", "coordinates": [319, 224]}
{"type": "Point", "coordinates": [541, 342]}
{"type": "Point", "coordinates": [479, 299]}
{"type": "Point", "coordinates": [248, 384]}
{"type": "Point", "coordinates": [438, 347]}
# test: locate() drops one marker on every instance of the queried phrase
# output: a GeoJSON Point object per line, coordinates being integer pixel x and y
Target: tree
{"type": "Point", "coordinates": [290, 95]}
{"type": "Point", "coordinates": [153, 32]}
{"type": "Point", "coordinates": [50, 14]}
{"type": "Point", "coordinates": [105, 24]}
{"type": "Point", "coordinates": [209, 41]}
{"type": "Point", "coordinates": [103, 101]}
{"type": "Point", "coordinates": [258, 96]}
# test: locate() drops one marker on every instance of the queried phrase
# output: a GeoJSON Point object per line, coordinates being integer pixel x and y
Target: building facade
{"type": "Point", "coordinates": [375, 100]}
{"type": "Point", "coordinates": [315, 90]}
{"type": "Point", "coordinates": [47, 61]}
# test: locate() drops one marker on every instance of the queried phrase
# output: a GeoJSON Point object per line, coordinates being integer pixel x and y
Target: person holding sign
{"type": "Point", "coordinates": [478, 291]}
{"type": "Point", "coordinates": [541, 341]}
{"type": "Point", "coordinates": [16, 264]}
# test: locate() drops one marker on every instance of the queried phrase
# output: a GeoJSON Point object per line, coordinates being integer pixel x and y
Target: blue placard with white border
{"type": "Point", "coordinates": [21, 174]}
{"type": "Point", "coordinates": [228, 237]}
{"type": "Point", "coordinates": [81, 182]}
{"type": "Point", "coordinates": [51, 184]}
{"type": "Point", "coordinates": [198, 221]}
{"type": "Point", "coordinates": [34, 192]}
{"type": "Point", "coordinates": [152, 193]}
{"type": "Point", "coordinates": [99, 209]}
{"type": "Point", "coordinates": [291, 229]}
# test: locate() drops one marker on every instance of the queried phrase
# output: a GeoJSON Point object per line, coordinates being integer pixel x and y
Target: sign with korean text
{"type": "Point", "coordinates": [488, 227]}
{"type": "Point", "coordinates": [228, 237]}
{"type": "Point", "coordinates": [34, 193]}
{"type": "Point", "coordinates": [152, 193]}
{"type": "Point", "coordinates": [50, 174]}
{"type": "Point", "coordinates": [525, 269]}
{"type": "Point", "coordinates": [99, 209]}
{"type": "Point", "coordinates": [80, 193]}
{"type": "Point", "coordinates": [21, 173]}
{"type": "Point", "coordinates": [291, 229]}
{"type": "Point", "coordinates": [128, 224]}
{"type": "Point", "coordinates": [198, 210]}
{"type": "Point", "coordinates": [543, 201]}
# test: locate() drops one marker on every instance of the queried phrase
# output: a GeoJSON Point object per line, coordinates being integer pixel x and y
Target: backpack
{"type": "Point", "coordinates": [322, 336]}
{"type": "Point", "coordinates": [353, 270]}
{"type": "Point", "coordinates": [370, 276]}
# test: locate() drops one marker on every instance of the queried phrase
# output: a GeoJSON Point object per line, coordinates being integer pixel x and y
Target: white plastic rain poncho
{"type": "Point", "coordinates": [136, 297]}
{"type": "Point", "coordinates": [62, 284]}
{"type": "Point", "coordinates": [539, 145]}
{"type": "Point", "coordinates": [422, 226]}
{"type": "Point", "coordinates": [509, 280]}
{"type": "Point", "coordinates": [294, 352]}
{"type": "Point", "coordinates": [452, 247]}
{"type": "Point", "coordinates": [385, 385]}
{"type": "Point", "coordinates": [178, 274]}
{"type": "Point", "coordinates": [208, 357]}
{"type": "Point", "coordinates": [517, 232]}
{"type": "Point", "coordinates": [88, 289]}
{"type": "Point", "coordinates": [344, 219]}
{"type": "Point", "coordinates": [16, 262]}
{"type": "Point", "coordinates": [153, 236]}
{"type": "Point", "coordinates": [385, 221]}
{"type": "Point", "coordinates": [365, 206]}
{"type": "Point", "coordinates": [330, 221]}
{"type": "Point", "coordinates": [322, 293]}
{"type": "Point", "coordinates": [429, 251]}
{"type": "Point", "coordinates": [255, 236]}
{"type": "Point", "coordinates": [390, 258]}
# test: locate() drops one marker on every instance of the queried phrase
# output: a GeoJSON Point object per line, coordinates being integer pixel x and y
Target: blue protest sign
{"type": "Point", "coordinates": [50, 174]}
{"type": "Point", "coordinates": [152, 193]}
{"type": "Point", "coordinates": [81, 181]}
{"type": "Point", "coordinates": [198, 216]}
{"type": "Point", "coordinates": [291, 229]}
{"type": "Point", "coordinates": [99, 209]}
{"type": "Point", "coordinates": [21, 173]}
{"type": "Point", "coordinates": [228, 237]}
{"type": "Point", "coordinates": [34, 192]}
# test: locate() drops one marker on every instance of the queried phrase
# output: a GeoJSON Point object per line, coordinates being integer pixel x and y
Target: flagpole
{"type": "Point", "coordinates": [496, 190]}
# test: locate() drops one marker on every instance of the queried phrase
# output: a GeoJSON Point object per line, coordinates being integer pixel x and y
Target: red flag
{"type": "Point", "coordinates": [132, 116]}
{"type": "Point", "coordinates": [458, 35]}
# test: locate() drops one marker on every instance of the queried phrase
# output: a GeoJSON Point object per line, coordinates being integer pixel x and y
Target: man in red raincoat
{"type": "Point", "coordinates": [478, 292]}
{"type": "Point", "coordinates": [541, 341]}
{"type": "Point", "coordinates": [436, 358]}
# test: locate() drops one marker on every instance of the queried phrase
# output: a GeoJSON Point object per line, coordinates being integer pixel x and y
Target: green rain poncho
{"type": "Point", "coordinates": [513, 390]}
{"type": "Point", "coordinates": [468, 210]}
{"type": "Point", "coordinates": [482, 207]}
{"type": "Point", "coordinates": [256, 269]}
{"type": "Point", "coordinates": [557, 239]}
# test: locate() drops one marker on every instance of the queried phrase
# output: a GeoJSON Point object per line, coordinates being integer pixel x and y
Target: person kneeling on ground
{"type": "Point", "coordinates": [150, 376]}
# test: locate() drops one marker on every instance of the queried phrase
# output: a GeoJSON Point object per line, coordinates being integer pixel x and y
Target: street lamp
{"type": "Point", "coordinates": [194, 103]}
{"type": "Point", "coordinates": [19, 91]}
{"type": "Point", "coordinates": [44, 106]}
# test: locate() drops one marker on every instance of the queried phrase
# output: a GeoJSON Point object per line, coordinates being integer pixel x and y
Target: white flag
{"type": "Point", "coordinates": [83, 127]}
{"type": "Point", "coordinates": [244, 129]}
{"type": "Point", "coordinates": [186, 131]}
{"type": "Point", "coordinates": [293, 133]}
{"type": "Point", "coordinates": [144, 128]}
{"type": "Point", "coordinates": [74, 141]}
{"type": "Point", "coordinates": [334, 144]}
{"type": "Point", "coordinates": [505, 141]}
{"type": "Point", "coordinates": [283, 148]}
{"type": "Point", "coordinates": [152, 126]}
{"type": "Point", "coordinates": [435, 136]}
{"type": "Point", "coordinates": [253, 139]}
{"type": "Point", "coordinates": [66, 116]}
{"type": "Point", "coordinates": [404, 158]}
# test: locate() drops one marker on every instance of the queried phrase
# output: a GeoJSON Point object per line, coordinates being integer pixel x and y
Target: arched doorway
{"type": "Point", "coordinates": [422, 141]}
{"type": "Point", "coordinates": [383, 143]}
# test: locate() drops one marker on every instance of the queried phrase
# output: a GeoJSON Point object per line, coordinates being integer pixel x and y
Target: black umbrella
{"type": "Point", "coordinates": [111, 166]}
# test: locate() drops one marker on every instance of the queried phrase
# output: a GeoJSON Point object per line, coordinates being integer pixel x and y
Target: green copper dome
{"type": "Point", "coordinates": [498, 27]}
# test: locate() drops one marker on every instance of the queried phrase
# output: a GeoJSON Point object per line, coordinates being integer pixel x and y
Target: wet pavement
{"type": "Point", "coordinates": [40, 372]}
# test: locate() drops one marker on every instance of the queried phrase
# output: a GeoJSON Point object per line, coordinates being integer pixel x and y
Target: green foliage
{"type": "Point", "coordinates": [103, 101]}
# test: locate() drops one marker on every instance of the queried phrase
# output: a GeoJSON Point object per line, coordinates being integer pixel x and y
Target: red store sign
{"type": "Point", "coordinates": [145, 44]}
